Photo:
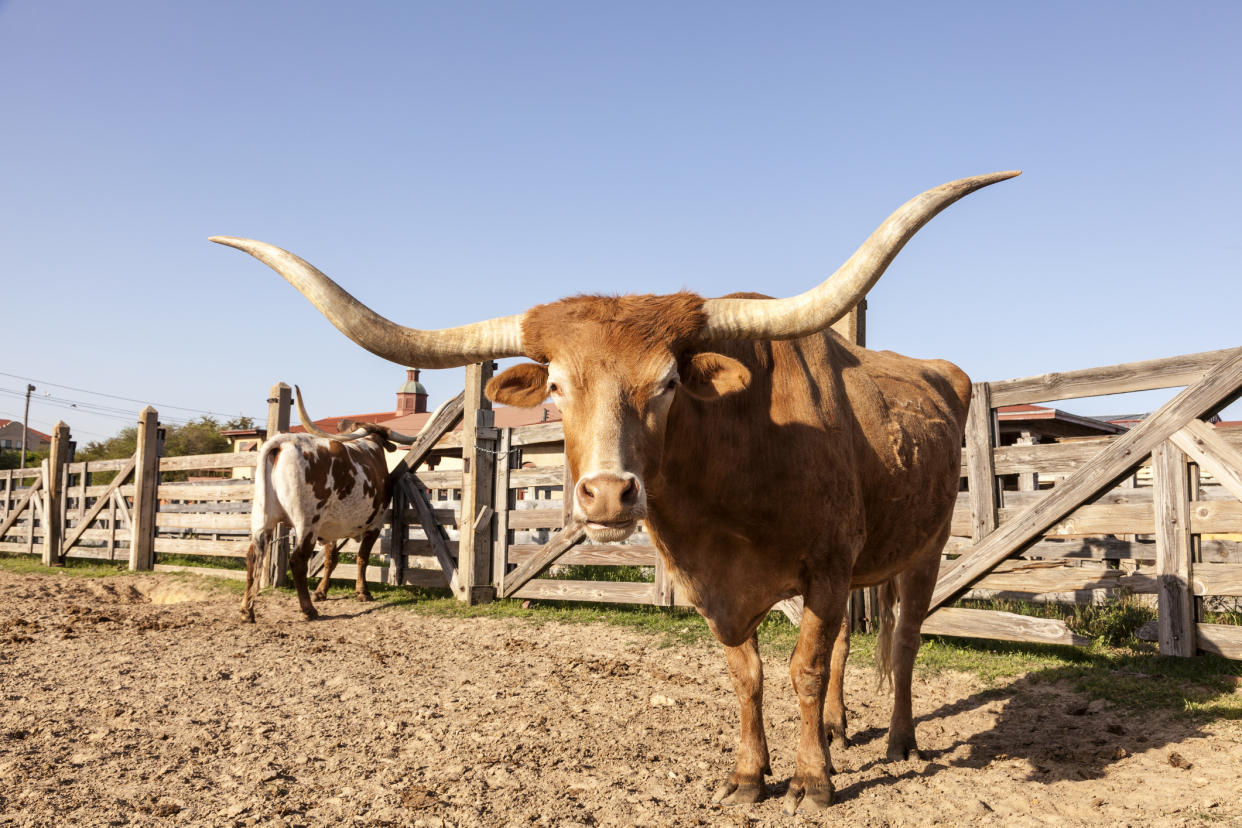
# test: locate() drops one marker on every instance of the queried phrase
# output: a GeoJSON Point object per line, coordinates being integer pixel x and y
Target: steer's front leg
{"type": "Point", "coordinates": [745, 784]}
{"type": "Point", "coordinates": [811, 787]}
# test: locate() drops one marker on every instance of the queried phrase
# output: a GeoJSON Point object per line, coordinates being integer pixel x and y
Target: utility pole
{"type": "Point", "coordinates": [25, 425]}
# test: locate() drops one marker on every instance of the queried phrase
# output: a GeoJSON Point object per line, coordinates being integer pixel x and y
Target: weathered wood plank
{"type": "Point", "coordinates": [1038, 577]}
{"type": "Point", "coordinates": [981, 475]}
{"type": "Point", "coordinates": [572, 534]}
{"type": "Point", "coordinates": [206, 492]}
{"type": "Point", "coordinates": [200, 546]}
{"type": "Point", "coordinates": [609, 592]}
{"type": "Point", "coordinates": [96, 465]}
{"type": "Point", "coordinates": [207, 521]}
{"type": "Point", "coordinates": [590, 554]}
{"type": "Point", "coordinates": [1217, 579]}
{"type": "Point", "coordinates": [1221, 639]}
{"type": "Point", "coordinates": [538, 433]}
{"type": "Point", "coordinates": [1217, 386]}
{"type": "Point", "coordinates": [1002, 626]}
{"type": "Point", "coordinates": [1175, 613]}
{"type": "Point", "coordinates": [536, 518]}
{"type": "Point", "coordinates": [502, 498]}
{"type": "Point", "coordinates": [1202, 445]}
{"type": "Point", "coordinates": [1168, 372]}
{"type": "Point", "coordinates": [190, 462]}
{"type": "Point", "coordinates": [439, 479]}
{"type": "Point", "coordinates": [545, 476]}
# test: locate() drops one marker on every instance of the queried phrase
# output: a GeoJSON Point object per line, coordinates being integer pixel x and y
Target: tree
{"type": "Point", "coordinates": [123, 444]}
{"type": "Point", "coordinates": [12, 458]}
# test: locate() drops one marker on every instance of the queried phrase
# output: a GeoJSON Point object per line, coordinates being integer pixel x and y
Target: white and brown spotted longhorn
{"type": "Point", "coordinates": [325, 487]}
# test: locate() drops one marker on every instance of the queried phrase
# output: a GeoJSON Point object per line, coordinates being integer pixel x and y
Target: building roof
{"type": "Point", "coordinates": [505, 417]}
{"type": "Point", "coordinates": [1053, 422]}
{"type": "Point", "coordinates": [331, 424]}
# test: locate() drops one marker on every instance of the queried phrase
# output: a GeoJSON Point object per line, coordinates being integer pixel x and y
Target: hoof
{"type": "Point", "coordinates": [807, 798]}
{"type": "Point", "coordinates": [247, 617]}
{"type": "Point", "coordinates": [310, 613]}
{"type": "Point", "coordinates": [734, 793]}
{"type": "Point", "coordinates": [837, 737]}
{"type": "Point", "coordinates": [901, 750]}
{"type": "Point", "coordinates": [319, 596]}
{"type": "Point", "coordinates": [363, 596]}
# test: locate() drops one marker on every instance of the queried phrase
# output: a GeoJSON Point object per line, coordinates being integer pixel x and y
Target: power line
{"type": "Point", "coordinates": [16, 418]}
{"type": "Point", "coordinates": [91, 408]}
{"type": "Point", "coordinates": [114, 396]}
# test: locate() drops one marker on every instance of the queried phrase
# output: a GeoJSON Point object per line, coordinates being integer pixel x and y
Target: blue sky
{"type": "Point", "coordinates": [449, 162]}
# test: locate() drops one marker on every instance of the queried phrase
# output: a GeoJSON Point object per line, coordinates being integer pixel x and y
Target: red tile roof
{"type": "Point", "coordinates": [505, 417]}
{"type": "Point", "coordinates": [330, 424]}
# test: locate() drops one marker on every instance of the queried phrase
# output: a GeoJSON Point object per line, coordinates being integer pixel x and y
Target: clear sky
{"type": "Point", "coordinates": [447, 162]}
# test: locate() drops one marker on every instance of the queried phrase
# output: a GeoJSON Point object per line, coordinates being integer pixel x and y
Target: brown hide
{"type": "Point", "coordinates": [832, 461]}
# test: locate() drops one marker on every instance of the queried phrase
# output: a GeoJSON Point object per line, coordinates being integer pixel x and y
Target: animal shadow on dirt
{"type": "Point", "coordinates": [1062, 734]}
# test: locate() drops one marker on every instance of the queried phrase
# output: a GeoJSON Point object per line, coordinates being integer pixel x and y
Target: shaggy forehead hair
{"type": "Point", "coordinates": [633, 322]}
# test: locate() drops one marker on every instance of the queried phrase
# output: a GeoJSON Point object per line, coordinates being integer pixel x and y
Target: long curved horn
{"type": "Point", "coordinates": [824, 304]}
{"type": "Point", "coordinates": [311, 428]}
{"type": "Point", "coordinates": [445, 348]}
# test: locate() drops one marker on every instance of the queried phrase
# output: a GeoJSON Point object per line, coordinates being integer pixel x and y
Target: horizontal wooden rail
{"type": "Point", "coordinates": [1147, 375]}
{"type": "Point", "coordinates": [243, 460]}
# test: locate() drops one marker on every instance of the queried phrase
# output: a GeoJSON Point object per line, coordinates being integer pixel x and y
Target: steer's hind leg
{"type": "Point", "coordinates": [745, 784]}
{"type": "Point", "coordinates": [361, 592]}
{"type": "Point", "coordinates": [331, 552]}
{"type": "Point", "coordinates": [811, 787]}
{"type": "Point", "coordinates": [914, 589]}
{"type": "Point", "coordinates": [297, 562]}
{"type": "Point", "coordinates": [834, 712]}
{"type": "Point", "coordinates": [253, 558]}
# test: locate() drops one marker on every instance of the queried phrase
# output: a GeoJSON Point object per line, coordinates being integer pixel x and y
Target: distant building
{"type": "Point", "coordinates": [11, 437]}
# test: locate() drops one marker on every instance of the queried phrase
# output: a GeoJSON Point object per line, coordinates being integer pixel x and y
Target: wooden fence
{"type": "Point", "coordinates": [1095, 534]}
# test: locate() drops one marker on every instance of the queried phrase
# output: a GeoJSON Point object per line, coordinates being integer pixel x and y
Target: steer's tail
{"type": "Point", "coordinates": [887, 623]}
{"type": "Point", "coordinates": [265, 512]}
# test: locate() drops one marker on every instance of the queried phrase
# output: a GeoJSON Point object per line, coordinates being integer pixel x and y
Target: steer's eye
{"type": "Point", "coordinates": [553, 388]}
{"type": "Point", "coordinates": [671, 384]}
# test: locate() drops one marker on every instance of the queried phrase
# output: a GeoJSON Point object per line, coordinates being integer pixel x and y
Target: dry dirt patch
{"type": "Point", "coordinates": [123, 711]}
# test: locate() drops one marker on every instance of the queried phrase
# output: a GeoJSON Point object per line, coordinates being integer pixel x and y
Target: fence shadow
{"type": "Point", "coordinates": [1047, 719]}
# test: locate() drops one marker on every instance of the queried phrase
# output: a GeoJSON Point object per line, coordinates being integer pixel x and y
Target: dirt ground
{"type": "Point", "coordinates": [141, 701]}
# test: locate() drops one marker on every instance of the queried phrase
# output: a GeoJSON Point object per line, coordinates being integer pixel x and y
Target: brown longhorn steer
{"type": "Point", "coordinates": [767, 457]}
{"type": "Point", "coordinates": [326, 487]}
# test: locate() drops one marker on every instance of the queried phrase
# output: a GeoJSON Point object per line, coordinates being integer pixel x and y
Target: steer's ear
{"type": "Point", "coordinates": [710, 376]}
{"type": "Point", "coordinates": [522, 386]}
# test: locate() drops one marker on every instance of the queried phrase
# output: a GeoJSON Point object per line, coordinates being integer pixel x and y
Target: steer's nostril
{"type": "Point", "coordinates": [629, 495]}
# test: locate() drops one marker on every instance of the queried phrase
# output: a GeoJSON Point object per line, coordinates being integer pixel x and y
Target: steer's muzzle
{"type": "Point", "coordinates": [611, 504]}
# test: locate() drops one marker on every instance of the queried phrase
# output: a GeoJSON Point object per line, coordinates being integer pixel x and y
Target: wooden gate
{"type": "Point", "coordinates": [1079, 506]}
{"type": "Point", "coordinates": [21, 510]}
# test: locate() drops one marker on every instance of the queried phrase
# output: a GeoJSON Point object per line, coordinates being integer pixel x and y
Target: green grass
{"type": "Point", "coordinates": [1128, 674]}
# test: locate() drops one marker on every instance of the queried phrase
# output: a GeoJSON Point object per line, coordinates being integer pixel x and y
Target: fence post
{"type": "Point", "coordinates": [502, 502]}
{"type": "Point", "coordinates": [146, 485]}
{"type": "Point", "coordinates": [54, 478]}
{"type": "Point", "coordinates": [1175, 617]}
{"type": "Point", "coordinates": [980, 462]}
{"type": "Point", "coordinates": [478, 441]}
{"type": "Point", "coordinates": [279, 400]}
{"type": "Point", "coordinates": [397, 536]}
